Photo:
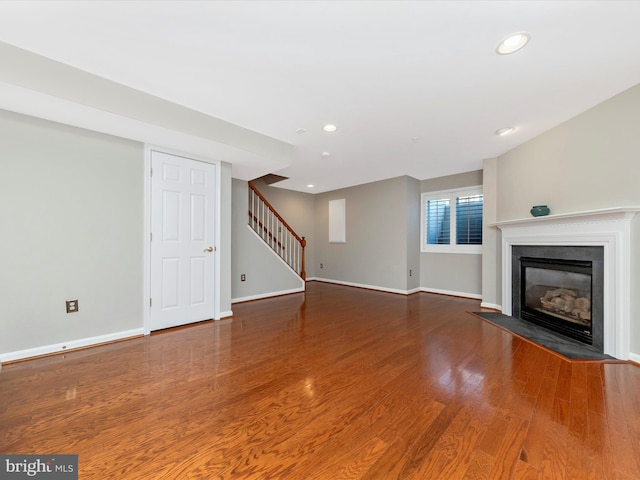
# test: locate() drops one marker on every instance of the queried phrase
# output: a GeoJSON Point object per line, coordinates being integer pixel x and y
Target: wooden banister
{"type": "Point", "coordinates": [273, 210]}
{"type": "Point", "coordinates": [268, 224]}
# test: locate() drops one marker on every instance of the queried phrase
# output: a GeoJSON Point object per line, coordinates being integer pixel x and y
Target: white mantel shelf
{"type": "Point", "coordinates": [585, 216]}
{"type": "Point", "coordinates": [607, 227]}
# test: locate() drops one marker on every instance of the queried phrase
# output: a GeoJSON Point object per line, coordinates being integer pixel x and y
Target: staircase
{"type": "Point", "coordinates": [275, 232]}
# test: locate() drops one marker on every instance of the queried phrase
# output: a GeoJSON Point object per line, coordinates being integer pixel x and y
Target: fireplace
{"type": "Point", "coordinates": [560, 288]}
{"type": "Point", "coordinates": [608, 228]}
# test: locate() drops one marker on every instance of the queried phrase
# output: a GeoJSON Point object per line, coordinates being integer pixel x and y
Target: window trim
{"type": "Point", "coordinates": [451, 195]}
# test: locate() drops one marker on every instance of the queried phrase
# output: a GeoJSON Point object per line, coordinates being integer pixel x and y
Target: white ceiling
{"type": "Point", "coordinates": [415, 88]}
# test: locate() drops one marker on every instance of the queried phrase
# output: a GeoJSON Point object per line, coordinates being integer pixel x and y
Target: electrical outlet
{"type": "Point", "coordinates": [72, 305]}
{"type": "Point", "coordinates": [243, 277]}
{"type": "Point", "coordinates": [321, 266]}
{"type": "Point", "coordinates": [410, 272]}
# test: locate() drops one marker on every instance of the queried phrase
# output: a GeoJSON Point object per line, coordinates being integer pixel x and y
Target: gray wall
{"type": "Point", "coordinates": [452, 272]}
{"type": "Point", "coordinates": [265, 273]}
{"type": "Point", "coordinates": [461, 180]}
{"type": "Point", "coordinates": [491, 237]}
{"type": "Point", "coordinates": [589, 162]}
{"type": "Point", "coordinates": [413, 233]}
{"type": "Point", "coordinates": [72, 227]}
{"type": "Point", "coordinates": [72, 216]}
{"type": "Point", "coordinates": [635, 285]}
{"type": "Point", "coordinates": [383, 236]}
{"type": "Point", "coordinates": [375, 253]}
{"type": "Point", "coordinates": [226, 245]}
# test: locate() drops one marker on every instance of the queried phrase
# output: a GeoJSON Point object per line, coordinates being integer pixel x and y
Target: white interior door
{"type": "Point", "coordinates": [182, 236]}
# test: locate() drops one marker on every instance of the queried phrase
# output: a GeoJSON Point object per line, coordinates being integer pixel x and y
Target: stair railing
{"type": "Point", "coordinates": [276, 232]}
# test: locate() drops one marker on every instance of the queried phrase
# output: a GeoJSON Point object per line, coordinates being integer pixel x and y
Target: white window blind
{"type": "Point", "coordinates": [452, 221]}
{"type": "Point", "coordinates": [469, 220]}
{"type": "Point", "coordinates": [438, 222]}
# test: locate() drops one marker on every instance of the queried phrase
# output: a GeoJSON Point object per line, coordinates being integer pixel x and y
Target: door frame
{"type": "Point", "coordinates": [147, 231]}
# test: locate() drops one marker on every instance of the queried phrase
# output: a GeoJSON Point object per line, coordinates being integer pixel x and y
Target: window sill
{"type": "Point", "coordinates": [464, 249]}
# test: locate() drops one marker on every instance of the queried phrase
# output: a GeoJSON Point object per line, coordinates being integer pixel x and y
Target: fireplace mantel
{"type": "Point", "coordinates": [601, 215]}
{"type": "Point", "coordinates": [609, 228]}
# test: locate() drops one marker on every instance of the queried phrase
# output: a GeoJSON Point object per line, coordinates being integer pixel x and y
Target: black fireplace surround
{"type": "Point", "coordinates": [560, 288]}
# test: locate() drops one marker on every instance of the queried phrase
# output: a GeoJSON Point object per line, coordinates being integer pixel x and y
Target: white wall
{"type": "Point", "coordinates": [35, 85]}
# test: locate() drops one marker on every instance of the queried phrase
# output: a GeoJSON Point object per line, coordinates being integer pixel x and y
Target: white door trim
{"type": "Point", "coordinates": [147, 231]}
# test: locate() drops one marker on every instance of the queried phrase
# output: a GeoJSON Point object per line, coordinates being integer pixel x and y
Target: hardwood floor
{"type": "Point", "coordinates": [340, 383]}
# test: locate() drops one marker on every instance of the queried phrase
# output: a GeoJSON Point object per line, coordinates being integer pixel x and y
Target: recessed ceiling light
{"type": "Point", "coordinates": [505, 131]}
{"type": "Point", "coordinates": [513, 43]}
{"type": "Point", "coordinates": [310, 185]}
{"type": "Point", "coordinates": [325, 154]}
{"type": "Point", "coordinates": [329, 128]}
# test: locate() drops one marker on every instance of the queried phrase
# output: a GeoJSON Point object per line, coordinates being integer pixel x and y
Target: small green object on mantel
{"type": "Point", "coordinates": [540, 210]}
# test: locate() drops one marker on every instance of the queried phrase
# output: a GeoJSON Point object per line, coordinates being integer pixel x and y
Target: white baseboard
{"type": "Point", "coordinates": [228, 313]}
{"type": "Point", "coordinates": [634, 357]}
{"type": "Point", "coordinates": [492, 306]}
{"type": "Point", "coordinates": [362, 285]}
{"type": "Point", "coordinates": [396, 290]}
{"type": "Point", "coordinates": [475, 296]}
{"type": "Point", "coordinates": [266, 295]}
{"type": "Point", "coordinates": [71, 345]}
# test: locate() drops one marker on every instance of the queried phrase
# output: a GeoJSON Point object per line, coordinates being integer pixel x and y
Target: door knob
{"type": "Point", "coordinates": [210, 249]}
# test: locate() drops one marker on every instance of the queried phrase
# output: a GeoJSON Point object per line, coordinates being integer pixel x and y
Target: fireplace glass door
{"type": "Point", "coordinates": [557, 294]}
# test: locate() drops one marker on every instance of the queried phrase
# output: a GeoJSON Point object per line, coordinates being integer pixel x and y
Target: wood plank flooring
{"type": "Point", "coordinates": [337, 383]}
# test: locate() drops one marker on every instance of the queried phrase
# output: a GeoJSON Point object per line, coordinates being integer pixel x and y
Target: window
{"type": "Point", "coordinates": [452, 221]}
